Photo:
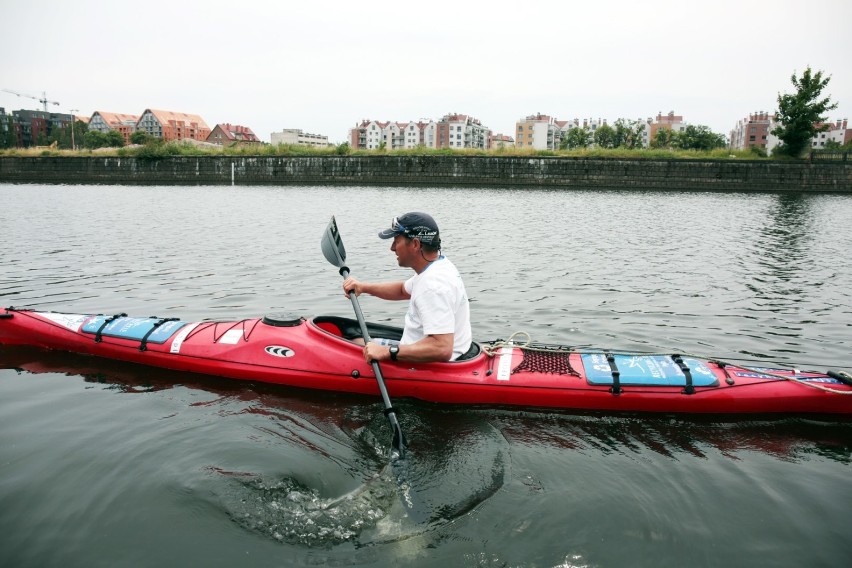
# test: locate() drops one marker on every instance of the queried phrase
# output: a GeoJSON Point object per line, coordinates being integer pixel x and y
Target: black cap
{"type": "Point", "coordinates": [414, 225]}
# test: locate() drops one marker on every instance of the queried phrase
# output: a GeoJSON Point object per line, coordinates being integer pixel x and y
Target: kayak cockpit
{"type": "Point", "coordinates": [349, 329]}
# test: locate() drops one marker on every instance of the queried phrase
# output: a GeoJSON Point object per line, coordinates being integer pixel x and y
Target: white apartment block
{"type": "Point", "coordinates": [296, 136]}
{"type": "Point", "coordinates": [539, 132]}
{"type": "Point", "coordinates": [452, 131]}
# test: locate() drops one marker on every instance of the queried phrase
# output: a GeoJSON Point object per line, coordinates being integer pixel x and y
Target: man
{"type": "Point", "coordinates": [437, 324]}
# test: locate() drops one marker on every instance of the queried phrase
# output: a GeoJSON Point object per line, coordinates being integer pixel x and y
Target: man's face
{"type": "Point", "coordinates": [405, 249]}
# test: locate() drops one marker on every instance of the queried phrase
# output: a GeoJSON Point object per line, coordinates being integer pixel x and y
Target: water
{"type": "Point", "coordinates": [104, 464]}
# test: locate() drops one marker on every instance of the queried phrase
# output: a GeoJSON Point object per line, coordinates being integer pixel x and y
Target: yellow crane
{"type": "Point", "coordinates": [43, 100]}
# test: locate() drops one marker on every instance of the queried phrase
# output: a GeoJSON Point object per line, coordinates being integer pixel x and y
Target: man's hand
{"type": "Point", "coordinates": [351, 285]}
{"type": "Point", "coordinates": [376, 352]}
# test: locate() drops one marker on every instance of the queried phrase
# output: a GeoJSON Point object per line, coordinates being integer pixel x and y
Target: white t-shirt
{"type": "Point", "coordinates": [438, 305]}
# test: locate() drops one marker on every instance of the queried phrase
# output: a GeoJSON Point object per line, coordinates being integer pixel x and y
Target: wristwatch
{"type": "Point", "coordinates": [394, 352]}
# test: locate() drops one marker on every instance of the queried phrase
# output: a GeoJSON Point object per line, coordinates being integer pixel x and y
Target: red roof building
{"type": "Point", "coordinates": [232, 134]}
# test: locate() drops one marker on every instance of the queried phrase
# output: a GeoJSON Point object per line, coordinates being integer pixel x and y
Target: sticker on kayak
{"type": "Point", "coordinates": [181, 337]}
{"type": "Point", "coordinates": [279, 351]}
{"type": "Point", "coordinates": [70, 321]}
{"type": "Point", "coordinates": [651, 370]}
{"type": "Point", "coordinates": [133, 328]}
{"type": "Point", "coordinates": [231, 337]}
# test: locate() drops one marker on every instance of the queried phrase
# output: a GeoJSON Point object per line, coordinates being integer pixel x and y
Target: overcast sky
{"type": "Point", "coordinates": [322, 66]}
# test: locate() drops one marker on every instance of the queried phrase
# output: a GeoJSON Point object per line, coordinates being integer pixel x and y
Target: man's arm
{"type": "Point", "coordinates": [438, 347]}
{"type": "Point", "coordinates": [383, 290]}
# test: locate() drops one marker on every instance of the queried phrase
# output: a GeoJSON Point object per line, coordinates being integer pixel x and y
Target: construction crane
{"type": "Point", "coordinates": [43, 100]}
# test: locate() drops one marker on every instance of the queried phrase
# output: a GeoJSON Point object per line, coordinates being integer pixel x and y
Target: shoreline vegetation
{"type": "Point", "coordinates": [159, 150]}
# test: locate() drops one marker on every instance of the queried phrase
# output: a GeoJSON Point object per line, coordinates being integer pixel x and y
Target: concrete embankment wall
{"type": "Point", "coordinates": [492, 171]}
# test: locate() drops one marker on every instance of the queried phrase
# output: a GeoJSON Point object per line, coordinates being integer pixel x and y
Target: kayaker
{"type": "Point", "coordinates": [437, 324]}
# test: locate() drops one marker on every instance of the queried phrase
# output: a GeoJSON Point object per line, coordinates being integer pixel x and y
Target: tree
{"type": "Point", "coordinates": [95, 139]}
{"type": "Point", "coordinates": [799, 113]}
{"type": "Point", "coordinates": [141, 137]}
{"type": "Point", "coordinates": [628, 133]}
{"type": "Point", "coordinates": [115, 139]}
{"type": "Point", "coordinates": [577, 137]}
{"type": "Point", "coordinates": [698, 138]}
{"type": "Point", "coordinates": [664, 138]}
{"type": "Point", "coordinates": [605, 136]}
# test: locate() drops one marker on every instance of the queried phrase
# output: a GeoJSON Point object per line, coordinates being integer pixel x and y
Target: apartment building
{"type": "Point", "coordinates": [168, 125]}
{"type": "Point", "coordinates": [500, 140]}
{"type": "Point", "coordinates": [462, 131]}
{"type": "Point", "coordinates": [232, 134]}
{"type": "Point", "coordinates": [452, 131]}
{"type": "Point", "coordinates": [31, 126]}
{"type": "Point", "coordinates": [103, 121]}
{"type": "Point", "coordinates": [539, 132]}
{"type": "Point", "coordinates": [671, 121]}
{"type": "Point", "coordinates": [299, 137]}
{"type": "Point", "coordinates": [837, 132]}
{"type": "Point", "coordinates": [754, 132]}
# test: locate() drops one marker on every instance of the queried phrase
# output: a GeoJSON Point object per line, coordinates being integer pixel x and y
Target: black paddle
{"type": "Point", "coordinates": [332, 249]}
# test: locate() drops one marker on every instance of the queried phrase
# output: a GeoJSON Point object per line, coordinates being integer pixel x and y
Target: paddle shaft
{"type": "Point", "coordinates": [398, 437]}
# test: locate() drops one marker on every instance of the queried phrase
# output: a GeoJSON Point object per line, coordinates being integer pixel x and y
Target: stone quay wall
{"type": "Point", "coordinates": [412, 170]}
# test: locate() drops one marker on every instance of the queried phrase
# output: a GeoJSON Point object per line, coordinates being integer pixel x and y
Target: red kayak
{"type": "Point", "coordinates": [318, 354]}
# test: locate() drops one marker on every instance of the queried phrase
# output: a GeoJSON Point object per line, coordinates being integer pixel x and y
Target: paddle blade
{"type": "Point", "coordinates": [332, 245]}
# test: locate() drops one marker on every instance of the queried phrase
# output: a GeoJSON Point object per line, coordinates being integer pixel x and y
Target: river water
{"type": "Point", "coordinates": [115, 465]}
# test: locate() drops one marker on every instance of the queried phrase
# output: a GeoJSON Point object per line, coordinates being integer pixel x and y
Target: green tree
{"type": "Point", "coordinates": [578, 137]}
{"type": "Point", "coordinates": [664, 138]}
{"type": "Point", "coordinates": [95, 139]}
{"type": "Point", "coordinates": [698, 138]}
{"type": "Point", "coordinates": [115, 139]}
{"type": "Point", "coordinates": [628, 133]}
{"type": "Point", "coordinates": [141, 137]}
{"type": "Point", "coordinates": [798, 113]}
{"type": "Point", "coordinates": [605, 136]}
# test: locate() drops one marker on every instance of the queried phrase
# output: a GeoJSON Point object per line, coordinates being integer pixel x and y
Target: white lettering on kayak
{"type": "Point", "coordinates": [178, 341]}
{"type": "Point", "coordinates": [70, 321]}
{"type": "Point", "coordinates": [504, 367]}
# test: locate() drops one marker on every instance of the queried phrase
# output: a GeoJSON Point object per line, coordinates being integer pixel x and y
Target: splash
{"type": "Point", "coordinates": [291, 512]}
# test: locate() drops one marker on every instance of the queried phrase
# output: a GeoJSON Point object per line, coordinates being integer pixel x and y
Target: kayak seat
{"type": "Point", "coordinates": [349, 328]}
{"type": "Point", "coordinates": [475, 349]}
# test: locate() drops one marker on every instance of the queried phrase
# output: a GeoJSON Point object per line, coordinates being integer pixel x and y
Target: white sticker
{"type": "Point", "coordinates": [232, 336]}
{"type": "Point", "coordinates": [504, 368]}
{"type": "Point", "coordinates": [181, 337]}
{"type": "Point", "coordinates": [70, 321]}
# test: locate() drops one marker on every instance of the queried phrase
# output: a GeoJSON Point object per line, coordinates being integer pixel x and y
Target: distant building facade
{"type": "Point", "coordinates": [501, 141]}
{"type": "Point", "coordinates": [33, 127]}
{"type": "Point", "coordinates": [168, 126]}
{"type": "Point", "coordinates": [754, 131]}
{"type": "Point", "coordinates": [452, 131]}
{"type": "Point", "coordinates": [297, 136]}
{"type": "Point", "coordinates": [103, 121]}
{"type": "Point", "coordinates": [231, 135]}
{"type": "Point", "coordinates": [538, 131]}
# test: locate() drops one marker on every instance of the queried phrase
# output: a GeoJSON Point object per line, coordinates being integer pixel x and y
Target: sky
{"type": "Point", "coordinates": [323, 66]}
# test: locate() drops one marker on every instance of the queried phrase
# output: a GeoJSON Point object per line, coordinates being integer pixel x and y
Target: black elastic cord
{"type": "Point", "coordinates": [109, 320]}
{"type": "Point", "coordinates": [144, 345]}
{"type": "Point", "coordinates": [390, 410]}
{"type": "Point", "coordinates": [686, 373]}
{"type": "Point", "coordinates": [616, 374]}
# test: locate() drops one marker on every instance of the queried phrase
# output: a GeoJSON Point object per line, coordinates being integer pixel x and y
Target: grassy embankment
{"type": "Point", "coordinates": [159, 151]}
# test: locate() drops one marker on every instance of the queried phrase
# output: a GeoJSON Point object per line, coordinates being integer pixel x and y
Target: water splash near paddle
{"type": "Point", "coordinates": [408, 498]}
